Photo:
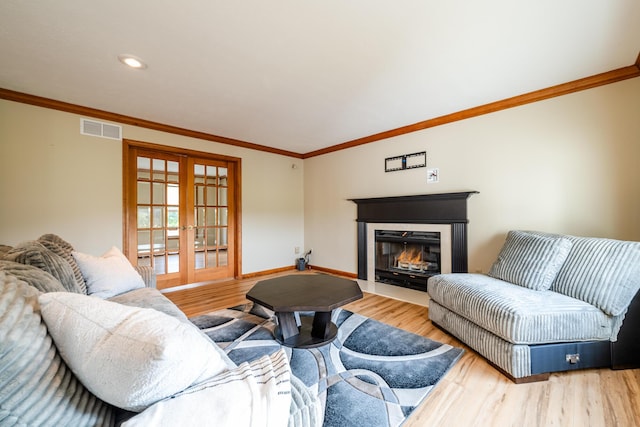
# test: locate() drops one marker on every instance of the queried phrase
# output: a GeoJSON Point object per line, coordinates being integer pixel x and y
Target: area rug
{"type": "Point", "coordinates": [372, 374]}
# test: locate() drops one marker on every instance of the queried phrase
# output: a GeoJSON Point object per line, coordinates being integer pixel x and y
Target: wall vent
{"type": "Point", "coordinates": [101, 129]}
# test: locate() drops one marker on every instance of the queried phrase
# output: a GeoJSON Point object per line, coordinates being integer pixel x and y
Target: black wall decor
{"type": "Point", "coordinates": [406, 161]}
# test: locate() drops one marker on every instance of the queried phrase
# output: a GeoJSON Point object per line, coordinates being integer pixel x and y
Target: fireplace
{"type": "Point", "coordinates": [406, 257]}
{"type": "Point", "coordinates": [402, 241]}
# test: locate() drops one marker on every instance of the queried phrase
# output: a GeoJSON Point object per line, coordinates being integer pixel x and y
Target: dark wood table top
{"type": "Point", "coordinates": [304, 292]}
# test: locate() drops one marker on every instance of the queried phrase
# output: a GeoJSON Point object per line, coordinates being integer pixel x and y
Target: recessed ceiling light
{"type": "Point", "coordinates": [132, 61]}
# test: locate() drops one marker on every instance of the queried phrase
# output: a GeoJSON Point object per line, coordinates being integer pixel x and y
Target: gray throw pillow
{"type": "Point", "coordinates": [36, 386]}
{"type": "Point", "coordinates": [531, 260]}
{"type": "Point", "coordinates": [602, 272]}
{"type": "Point", "coordinates": [39, 279]}
{"type": "Point", "coordinates": [34, 253]}
{"type": "Point", "coordinates": [53, 238]}
{"type": "Point", "coordinates": [4, 249]}
{"type": "Point", "coordinates": [58, 246]}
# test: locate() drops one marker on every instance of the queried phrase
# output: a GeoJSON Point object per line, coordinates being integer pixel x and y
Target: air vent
{"type": "Point", "coordinates": [101, 129]}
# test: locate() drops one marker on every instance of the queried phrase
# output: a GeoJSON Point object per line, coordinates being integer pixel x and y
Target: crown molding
{"type": "Point", "coordinates": [601, 79]}
{"type": "Point", "coordinates": [39, 101]}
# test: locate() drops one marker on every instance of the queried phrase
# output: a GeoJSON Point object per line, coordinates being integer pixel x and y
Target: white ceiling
{"type": "Point", "coordinates": [305, 75]}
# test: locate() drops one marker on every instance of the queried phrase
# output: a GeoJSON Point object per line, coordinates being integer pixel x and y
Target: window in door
{"type": "Point", "coordinates": [212, 198]}
{"type": "Point", "coordinates": [158, 213]}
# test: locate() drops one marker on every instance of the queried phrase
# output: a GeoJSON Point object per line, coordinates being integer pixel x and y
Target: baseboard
{"type": "Point", "coordinates": [309, 267]}
{"type": "Point", "coordinates": [332, 271]}
{"type": "Point", "coordinates": [263, 273]}
{"type": "Point", "coordinates": [266, 272]}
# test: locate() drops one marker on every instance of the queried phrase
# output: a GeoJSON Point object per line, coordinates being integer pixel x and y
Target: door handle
{"type": "Point", "coordinates": [186, 227]}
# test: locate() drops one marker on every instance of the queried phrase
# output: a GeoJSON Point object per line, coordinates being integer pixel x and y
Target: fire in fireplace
{"type": "Point", "coordinates": [407, 258]}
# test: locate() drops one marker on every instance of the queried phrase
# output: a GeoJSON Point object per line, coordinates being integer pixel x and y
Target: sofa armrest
{"type": "Point", "coordinates": [148, 275]}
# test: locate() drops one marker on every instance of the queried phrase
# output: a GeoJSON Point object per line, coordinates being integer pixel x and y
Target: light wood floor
{"type": "Point", "coordinates": [473, 393]}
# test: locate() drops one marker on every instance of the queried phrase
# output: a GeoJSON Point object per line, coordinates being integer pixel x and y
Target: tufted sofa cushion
{"type": "Point", "coordinates": [150, 298]}
{"type": "Point", "coordinates": [519, 315]}
{"type": "Point", "coordinates": [36, 386]}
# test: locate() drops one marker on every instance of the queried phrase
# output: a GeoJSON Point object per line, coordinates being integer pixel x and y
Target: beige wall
{"type": "Point", "coordinates": [569, 165]}
{"type": "Point", "coordinates": [54, 180]}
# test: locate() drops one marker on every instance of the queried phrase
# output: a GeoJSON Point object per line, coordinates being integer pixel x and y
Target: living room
{"type": "Point", "coordinates": [563, 164]}
{"type": "Point", "coordinates": [566, 164]}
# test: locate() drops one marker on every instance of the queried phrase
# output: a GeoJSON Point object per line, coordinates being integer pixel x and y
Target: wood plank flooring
{"type": "Point", "coordinates": [473, 393]}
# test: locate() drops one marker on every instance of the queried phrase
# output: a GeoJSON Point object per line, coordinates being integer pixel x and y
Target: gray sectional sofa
{"type": "Point", "coordinates": [58, 367]}
{"type": "Point", "coordinates": [549, 303]}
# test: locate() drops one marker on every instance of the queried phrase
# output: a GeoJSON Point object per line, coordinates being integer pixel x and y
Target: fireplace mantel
{"type": "Point", "coordinates": [442, 208]}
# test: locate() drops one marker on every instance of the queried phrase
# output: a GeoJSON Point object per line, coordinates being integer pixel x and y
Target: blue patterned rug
{"type": "Point", "coordinates": [372, 374]}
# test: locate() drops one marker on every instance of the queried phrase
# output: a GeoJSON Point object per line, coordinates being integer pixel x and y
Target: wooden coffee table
{"type": "Point", "coordinates": [320, 293]}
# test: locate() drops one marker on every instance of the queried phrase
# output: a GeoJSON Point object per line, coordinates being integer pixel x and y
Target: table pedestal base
{"type": "Point", "coordinates": [313, 332]}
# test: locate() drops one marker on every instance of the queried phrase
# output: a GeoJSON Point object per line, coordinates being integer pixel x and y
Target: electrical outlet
{"type": "Point", "coordinates": [433, 175]}
{"type": "Point", "coordinates": [296, 249]}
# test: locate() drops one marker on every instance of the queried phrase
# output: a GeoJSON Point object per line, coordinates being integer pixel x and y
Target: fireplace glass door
{"type": "Point", "coordinates": [406, 258]}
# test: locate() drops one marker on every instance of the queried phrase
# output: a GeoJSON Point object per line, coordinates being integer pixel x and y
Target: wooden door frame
{"type": "Point", "coordinates": [128, 191]}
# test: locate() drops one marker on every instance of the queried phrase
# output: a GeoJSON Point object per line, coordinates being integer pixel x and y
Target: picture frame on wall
{"type": "Point", "coordinates": [405, 161]}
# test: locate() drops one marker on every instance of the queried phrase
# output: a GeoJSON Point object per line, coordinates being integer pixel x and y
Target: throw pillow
{"type": "Point", "coordinates": [128, 356]}
{"type": "Point", "coordinates": [37, 388]}
{"type": "Point", "coordinates": [39, 279]}
{"type": "Point", "coordinates": [108, 275]}
{"type": "Point", "coordinates": [4, 249]}
{"type": "Point", "coordinates": [531, 260]}
{"type": "Point", "coordinates": [256, 393]}
{"type": "Point", "coordinates": [61, 247]}
{"type": "Point", "coordinates": [34, 253]}
{"type": "Point", "coordinates": [602, 272]}
{"type": "Point", "coordinates": [54, 238]}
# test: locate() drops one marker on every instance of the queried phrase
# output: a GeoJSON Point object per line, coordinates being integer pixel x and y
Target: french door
{"type": "Point", "coordinates": [181, 214]}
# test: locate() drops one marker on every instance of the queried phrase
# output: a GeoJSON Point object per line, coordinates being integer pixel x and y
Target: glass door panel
{"type": "Point", "coordinates": [157, 221]}
{"type": "Point", "coordinates": [210, 211]}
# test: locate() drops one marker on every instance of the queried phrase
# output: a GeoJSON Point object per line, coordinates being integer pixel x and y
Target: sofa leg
{"type": "Point", "coordinates": [531, 379]}
{"type": "Point", "coordinates": [524, 380]}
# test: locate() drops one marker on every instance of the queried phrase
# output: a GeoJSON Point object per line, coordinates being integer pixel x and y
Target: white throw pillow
{"type": "Point", "coordinates": [108, 275]}
{"type": "Point", "coordinates": [128, 356]}
{"type": "Point", "coordinates": [253, 394]}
